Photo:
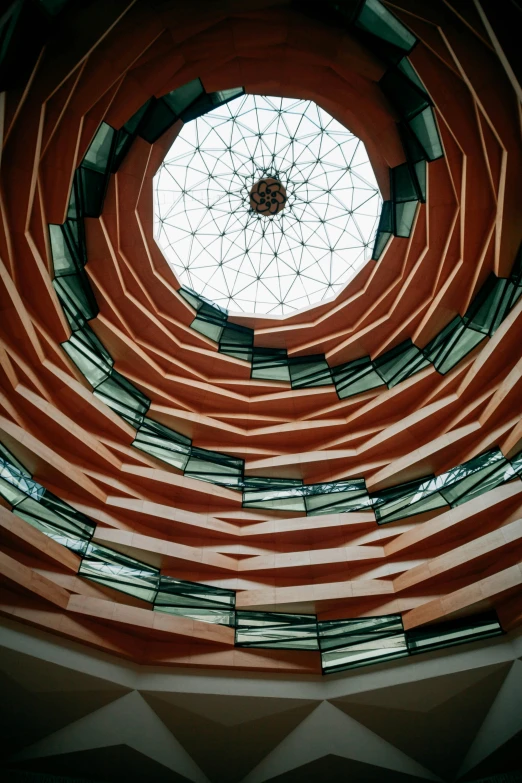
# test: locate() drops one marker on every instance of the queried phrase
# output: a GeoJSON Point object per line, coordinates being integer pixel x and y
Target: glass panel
{"type": "Point", "coordinates": [124, 398]}
{"type": "Point", "coordinates": [211, 328]}
{"type": "Point", "coordinates": [126, 135]}
{"type": "Point", "coordinates": [158, 119]}
{"type": "Point", "coordinates": [267, 482]}
{"type": "Point", "coordinates": [112, 569]}
{"type": "Point", "coordinates": [273, 493]}
{"type": "Point", "coordinates": [404, 96]}
{"type": "Point", "coordinates": [491, 305]}
{"type": "Point", "coordinates": [163, 443]}
{"type": "Point", "coordinates": [65, 256]}
{"type": "Point", "coordinates": [404, 217]}
{"type": "Point", "coordinates": [328, 498]}
{"type": "Point", "coordinates": [198, 601]}
{"type": "Point", "coordinates": [132, 125]}
{"type": "Point", "coordinates": [215, 467]}
{"type": "Point", "coordinates": [474, 477]}
{"type": "Point", "coordinates": [211, 309]}
{"type": "Point", "coordinates": [346, 644]}
{"type": "Point", "coordinates": [355, 377]}
{"type": "Point", "coordinates": [68, 248]}
{"type": "Point", "coordinates": [75, 290]}
{"type": "Point", "coordinates": [384, 231]}
{"type": "Point", "coordinates": [9, 490]}
{"type": "Point", "coordinates": [215, 616]}
{"type": "Point", "coordinates": [270, 364]}
{"type": "Point", "coordinates": [516, 463]}
{"type": "Point", "coordinates": [40, 508]}
{"type": "Point", "coordinates": [93, 186]}
{"type": "Point", "coordinates": [56, 519]}
{"type": "Point", "coordinates": [184, 96]}
{"type": "Point", "coordinates": [407, 500]}
{"type": "Point", "coordinates": [224, 96]}
{"type": "Point", "coordinates": [451, 345]}
{"type": "Point", "coordinates": [416, 158]}
{"type": "Point", "coordinates": [191, 297]}
{"type": "Point", "coordinates": [381, 240]}
{"type": "Point", "coordinates": [197, 301]}
{"type": "Point", "coordinates": [333, 633]}
{"type": "Point", "coordinates": [452, 488]}
{"type": "Point", "coordinates": [237, 341]}
{"type": "Point", "coordinates": [425, 130]}
{"type": "Point", "coordinates": [74, 317]}
{"type": "Point", "coordinates": [364, 653]}
{"type": "Point", "coordinates": [413, 150]}
{"type": "Point", "coordinates": [74, 207]}
{"type": "Point", "coordinates": [75, 239]}
{"type": "Point", "coordinates": [335, 497]}
{"type": "Point", "coordinates": [400, 363]}
{"type": "Point", "coordinates": [7, 457]}
{"type": "Point", "coordinates": [278, 500]}
{"type": "Point", "coordinates": [377, 20]}
{"type": "Point", "coordinates": [95, 170]}
{"type": "Point", "coordinates": [209, 101]}
{"type": "Point", "coordinates": [309, 371]}
{"type": "Point", "coordinates": [405, 194]}
{"type": "Point", "coordinates": [98, 156]}
{"type": "Point", "coordinates": [402, 184]}
{"type": "Point", "coordinates": [409, 71]}
{"type": "Point", "coordinates": [16, 482]}
{"type": "Point", "coordinates": [420, 176]}
{"type": "Point", "coordinates": [89, 355]}
{"type": "Point", "coordinates": [465, 629]}
{"type": "Point", "coordinates": [210, 322]}
{"type": "Point", "coordinates": [272, 630]}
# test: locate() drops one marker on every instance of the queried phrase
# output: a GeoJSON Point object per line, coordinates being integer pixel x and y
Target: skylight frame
{"type": "Point", "coordinates": [248, 262]}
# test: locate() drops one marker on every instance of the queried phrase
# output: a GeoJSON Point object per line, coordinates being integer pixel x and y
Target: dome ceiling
{"type": "Point", "coordinates": [133, 434]}
{"type": "Point", "coordinates": [254, 254]}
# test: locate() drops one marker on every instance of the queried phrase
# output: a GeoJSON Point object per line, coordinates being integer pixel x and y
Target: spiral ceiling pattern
{"type": "Point", "coordinates": [161, 459]}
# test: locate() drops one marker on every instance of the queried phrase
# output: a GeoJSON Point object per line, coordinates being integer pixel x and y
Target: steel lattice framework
{"type": "Point", "coordinates": [251, 262]}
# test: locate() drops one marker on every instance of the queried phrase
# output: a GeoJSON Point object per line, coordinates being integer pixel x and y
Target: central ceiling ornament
{"type": "Point", "coordinates": [266, 205]}
{"type": "Point", "coordinates": [268, 197]}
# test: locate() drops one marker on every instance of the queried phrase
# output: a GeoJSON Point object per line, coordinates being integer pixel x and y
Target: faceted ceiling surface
{"type": "Point", "coordinates": [284, 260]}
{"type": "Point", "coordinates": [81, 433]}
{"type": "Point", "coordinates": [454, 717]}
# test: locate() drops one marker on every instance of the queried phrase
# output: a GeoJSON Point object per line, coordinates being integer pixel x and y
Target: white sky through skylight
{"type": "Point", "coordinates": [246, 261]}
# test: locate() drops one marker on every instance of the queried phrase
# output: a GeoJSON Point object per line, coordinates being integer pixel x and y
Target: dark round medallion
{"type": "Point", "coordinates": [268, 197]}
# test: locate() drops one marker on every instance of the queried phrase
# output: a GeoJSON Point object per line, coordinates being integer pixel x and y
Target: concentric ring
{"type": "Point", "coordinates": [164, 389]}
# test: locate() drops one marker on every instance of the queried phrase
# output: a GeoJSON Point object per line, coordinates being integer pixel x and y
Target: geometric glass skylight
{"type": "Point", "coordinates": [314, 228]}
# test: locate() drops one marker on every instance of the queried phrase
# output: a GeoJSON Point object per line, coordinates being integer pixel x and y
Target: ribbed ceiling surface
{"type": "Point", "coordinates": [101, 64]}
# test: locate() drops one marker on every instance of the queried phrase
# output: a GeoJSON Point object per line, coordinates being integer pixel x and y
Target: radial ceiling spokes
{"type": "Point", "coordinates": [285, 258]}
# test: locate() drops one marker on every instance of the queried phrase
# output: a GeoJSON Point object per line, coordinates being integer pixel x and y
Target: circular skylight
{"type": "Point", "coordinates": [266, 205]}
